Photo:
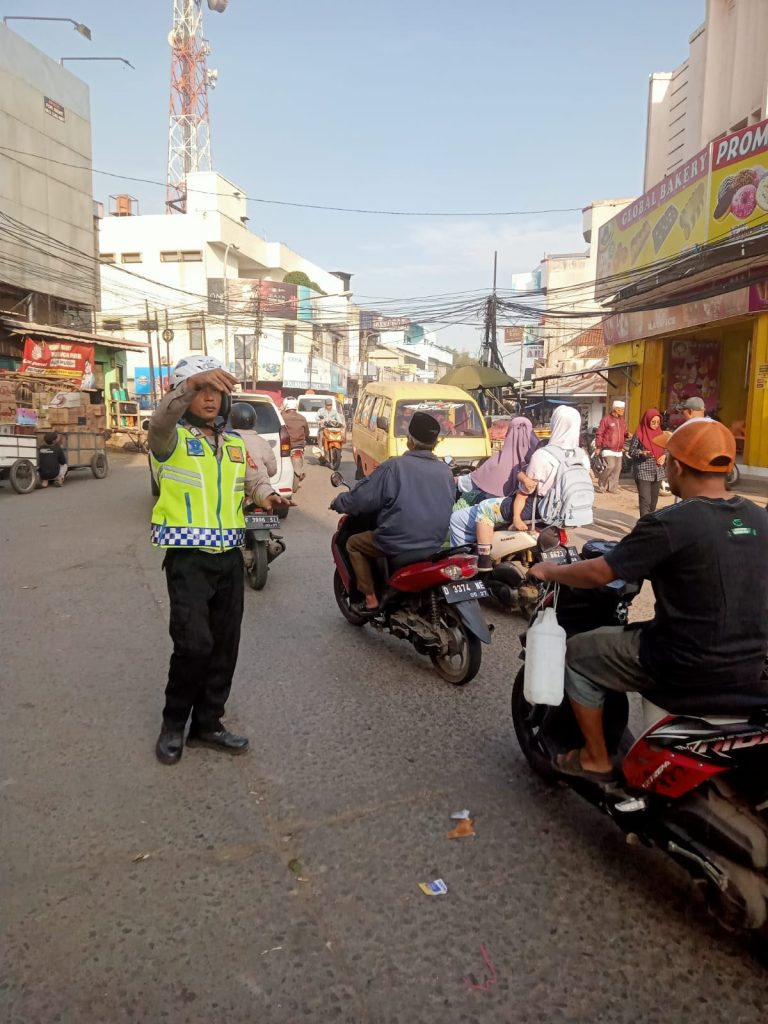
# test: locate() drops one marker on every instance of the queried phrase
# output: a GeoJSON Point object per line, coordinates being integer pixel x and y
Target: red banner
{"type": "Point", "coordinates": [62, 359]}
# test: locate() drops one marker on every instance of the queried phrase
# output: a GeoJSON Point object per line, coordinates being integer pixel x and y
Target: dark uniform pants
{"type": "Point", "coordinates": [206, 596]}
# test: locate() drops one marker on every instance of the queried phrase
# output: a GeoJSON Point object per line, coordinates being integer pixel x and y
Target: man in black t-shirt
{"type": "Point", "coordinates": [707, 559]}
{"type": "Point", "coordinates": [51, 460]}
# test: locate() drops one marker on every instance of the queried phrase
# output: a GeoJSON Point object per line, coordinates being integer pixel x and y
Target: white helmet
{"type": "Point", "coordinates": [291, 404]}
{"type": "Point", "coordinates": [190, 365]}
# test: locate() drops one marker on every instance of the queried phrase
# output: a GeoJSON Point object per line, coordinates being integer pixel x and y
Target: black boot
{"type": "Point", "coordinates": [217, 739]}
{"type": "Point", "coordinates": [170, 745]}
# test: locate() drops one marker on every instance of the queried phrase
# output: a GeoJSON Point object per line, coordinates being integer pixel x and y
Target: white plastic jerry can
{"type": "Point", "coordinates": [543, 681]}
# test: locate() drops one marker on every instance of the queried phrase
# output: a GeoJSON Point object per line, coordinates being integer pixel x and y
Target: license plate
{"type": "Point", "coordinates": [261, 522]}
{"type": "Point", "coordinates": [471, 590]}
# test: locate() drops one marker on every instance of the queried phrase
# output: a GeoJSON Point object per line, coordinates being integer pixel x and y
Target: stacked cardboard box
{"type": "Point", "coordinates": [72, 410]}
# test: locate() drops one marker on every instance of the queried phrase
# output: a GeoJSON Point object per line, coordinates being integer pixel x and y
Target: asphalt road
{"type": "Point", "coordinates": [283, 886]}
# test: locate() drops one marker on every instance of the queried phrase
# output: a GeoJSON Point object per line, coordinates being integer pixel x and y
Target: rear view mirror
{"type": "Point", "coordinates": [145, 424]}
{"type": "Point", "coordinates": [337, 480]}
{"type": "Point", "coordinates": [382, 423]}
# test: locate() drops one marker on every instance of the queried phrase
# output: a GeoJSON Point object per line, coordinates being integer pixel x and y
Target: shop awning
{"type": "Point", "coordinates": [49, 333]}
{"type": "Point", "coordinates": [601, 371]}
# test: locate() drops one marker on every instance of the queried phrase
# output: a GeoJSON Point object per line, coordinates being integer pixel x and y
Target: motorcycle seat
{"type": "Point", "coordinates": [732, 714]}
{"type": "Point", "coordinates": [399, 561]}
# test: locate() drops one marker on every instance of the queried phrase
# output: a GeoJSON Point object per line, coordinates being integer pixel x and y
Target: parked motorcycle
{"type": "Point", "coordinates": [331, 442]}
{"type": "Point", "coordinates": [262, 546]}
{"type": "Point", "coordinates": [428, 598]}
{"type": "Point", "coordinates": [694, 785]}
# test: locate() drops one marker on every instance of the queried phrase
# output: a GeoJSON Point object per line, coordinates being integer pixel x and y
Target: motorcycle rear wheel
{"type": "Point", "coordinates": [527, 720]}
{"type": "Point", "coordinates": [344, 603]}
{"type": "Point", "coordinates": [256, 572]}
{"type": "Point", "coordinates": [459, 668]}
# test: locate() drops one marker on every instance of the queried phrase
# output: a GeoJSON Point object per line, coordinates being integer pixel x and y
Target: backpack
{"type": "Point", "coordinates": [570, 499]}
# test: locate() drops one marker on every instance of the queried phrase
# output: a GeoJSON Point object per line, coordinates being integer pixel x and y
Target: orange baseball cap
{"type": "Point", "coordinates": [705, 445]}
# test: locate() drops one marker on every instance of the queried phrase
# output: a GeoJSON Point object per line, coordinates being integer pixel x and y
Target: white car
{"type": "Point", "coordinates": [310, 406]}
{"type": "Point", "coordinates": [270, 424]}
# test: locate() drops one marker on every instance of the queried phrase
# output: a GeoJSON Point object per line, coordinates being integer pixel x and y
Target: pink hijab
{"type": "Point", "coordinates": [498, 475]}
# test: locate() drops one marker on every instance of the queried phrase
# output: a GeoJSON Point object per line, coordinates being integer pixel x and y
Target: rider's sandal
{"type": "Point", "coordinates": [570, 764]}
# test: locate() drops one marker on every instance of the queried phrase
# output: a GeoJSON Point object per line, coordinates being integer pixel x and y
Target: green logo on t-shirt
{"type": "Point", "coordinates": [738, 529]}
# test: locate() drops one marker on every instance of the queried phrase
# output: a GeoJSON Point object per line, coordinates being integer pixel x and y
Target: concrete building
{"type": "Point", "coordinates": [221, 289]}
{"type": "Point", "coordinates": [48, 264]}
{"type": "Point", "coordinates": [720, 87]}
{"type": "Point", "coordinates": [686, 265]}
{"type": "Point", "coordinates": [568, 283]}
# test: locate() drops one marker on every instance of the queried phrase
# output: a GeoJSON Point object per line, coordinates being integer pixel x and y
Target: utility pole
{"type": "Point", "coordinates": [490, 350]}
{"type": "Point", "coordinates": [148, 327]}
{"type": "Point", "coordinates": [159, 356]}
{"type": "Point", "coordinates": [255, 356]}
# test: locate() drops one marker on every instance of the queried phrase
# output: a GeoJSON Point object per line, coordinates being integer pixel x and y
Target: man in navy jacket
{"type": "Point", "coordinates": [412, 498]}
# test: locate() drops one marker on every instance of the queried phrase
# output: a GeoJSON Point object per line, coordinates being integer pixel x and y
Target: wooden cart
{"type": "Point", "coordinates": [86, 449]}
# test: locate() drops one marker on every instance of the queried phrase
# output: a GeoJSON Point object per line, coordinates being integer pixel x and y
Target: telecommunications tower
{"type": "Point", "coordinates": [189, 128]}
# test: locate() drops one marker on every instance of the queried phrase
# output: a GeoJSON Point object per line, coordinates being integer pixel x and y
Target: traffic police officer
{"type": "Point", "coordinates": [204, 474]}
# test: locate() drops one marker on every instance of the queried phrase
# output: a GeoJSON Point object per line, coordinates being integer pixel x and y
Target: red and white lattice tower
{"type": "Point", "coordinates": [189, 128]}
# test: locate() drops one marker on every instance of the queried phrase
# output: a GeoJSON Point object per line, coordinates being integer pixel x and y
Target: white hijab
{"type": "Point", "coordinates": [566, 427]}
{"type": "Point", "coordinates": [566, 430]}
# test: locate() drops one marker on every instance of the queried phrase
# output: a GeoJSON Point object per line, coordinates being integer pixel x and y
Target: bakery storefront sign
{"type": "Point", "coordinates": [649, 323]}
{"type": "Point", "coordinates": [738, 201]}
{"type": "Point", "coordinates": [668, 219]}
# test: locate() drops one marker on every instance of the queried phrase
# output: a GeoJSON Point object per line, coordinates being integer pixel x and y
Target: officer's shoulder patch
{"type": "Point", "coordinates": [235, 453]}
{"type": "Point", "coordinates": [195, 446]}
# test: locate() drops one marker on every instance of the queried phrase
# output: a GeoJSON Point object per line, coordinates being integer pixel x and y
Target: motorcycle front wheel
{"type": "Point", "coordinates": [335, 459]}
{"type": "Point", "coordinates": [344, 602]}
{"type": "Point", "coordinates": [528, 720]}
{"type": "Point", "coordinates": [733, 477]}
{"type": "Point", "coordinates": [463, 664]}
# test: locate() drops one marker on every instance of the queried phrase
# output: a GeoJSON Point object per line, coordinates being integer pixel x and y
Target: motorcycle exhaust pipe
{"type": "Point", "coordinates": [275, 547]}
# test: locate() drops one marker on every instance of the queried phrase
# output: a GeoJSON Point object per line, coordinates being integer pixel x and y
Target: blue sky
{"type": "Point", "coordinates": [409, 105]}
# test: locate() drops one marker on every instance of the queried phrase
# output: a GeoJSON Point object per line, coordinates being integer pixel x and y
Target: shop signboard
{"type": "Point", "coordinates": [621, 327]}
{"type": "Point", "coordinates": [142, 382]}
{"type": "Point", "coordinates": [295, 370]}
{"type": "Point", "coordinates": [662, 223]}
{"type": "Point", "coordinates": [738, 198]}
{"type": "Point", "coordinates": [65, 360]}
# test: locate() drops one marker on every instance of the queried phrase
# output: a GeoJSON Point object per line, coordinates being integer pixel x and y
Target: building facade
{"type": "Point", "coordinates": [202, 282]}
{"type": "Point", "coordinates": [49, 274]}
{"type": "Point", "coordinates": [684, 268]}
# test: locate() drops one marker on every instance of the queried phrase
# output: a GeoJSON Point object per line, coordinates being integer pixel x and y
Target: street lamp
{"type": "Point", "coordinates": [79, 27]}
{"type": "Point", "coordinates": [62, 59]}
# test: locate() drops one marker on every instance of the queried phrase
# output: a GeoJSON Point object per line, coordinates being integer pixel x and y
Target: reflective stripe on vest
{"type": "Point", "coordinates": [201, 497]}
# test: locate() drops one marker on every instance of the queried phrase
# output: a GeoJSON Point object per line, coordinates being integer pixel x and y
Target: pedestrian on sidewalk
{"type": "Point", "coordinates": [609, 442]}
{"type": "Point", "coordinates": [204, 473]}
{"type": "Point", "coordinates": [648, 460]}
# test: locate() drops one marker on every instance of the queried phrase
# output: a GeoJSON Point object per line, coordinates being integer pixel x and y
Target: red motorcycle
{"type": "Point", "coordinates": [428, 598]}
{"type": "Point", "coordinates": [693, 785]}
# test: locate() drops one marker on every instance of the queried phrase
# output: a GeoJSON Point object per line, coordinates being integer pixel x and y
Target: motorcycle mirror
{"type": "Point", "coordinates": [145, 424]}
{"type": "Point", "coordinates": [338, 480]}
{"type": "Point", "coordinates": [448, 460]}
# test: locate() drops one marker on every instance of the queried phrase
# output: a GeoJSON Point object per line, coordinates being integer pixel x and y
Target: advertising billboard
{"type": "Point", "coordinates": [665, 221]}
{"type": "Point", "coordinates": [738, 201]}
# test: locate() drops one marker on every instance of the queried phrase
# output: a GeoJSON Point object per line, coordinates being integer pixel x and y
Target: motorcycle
{"type": "Point", "coordinates": [331, 439]}
{"type": "Point", "coordinates": [262, 546]}
{"type": "Point", "coordinates": [695, 786]}
{"type": "Point", "coordinates": [428, 598]}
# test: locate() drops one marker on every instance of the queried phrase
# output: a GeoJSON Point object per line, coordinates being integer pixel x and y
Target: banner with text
{"type": "Point", "coordinates": [68, 361]}
{"type": "Point", "coordinates": [664, 222]}
{"type": "Point", "coordinates": [738, 199]}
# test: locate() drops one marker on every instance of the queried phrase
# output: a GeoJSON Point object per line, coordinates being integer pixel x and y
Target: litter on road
{"type": "Point", "coordinates": [463, 828]}
{"type": "Point", "coordinates": [459, 815]}
{"type": "Point", "coordinates": [436, 888]}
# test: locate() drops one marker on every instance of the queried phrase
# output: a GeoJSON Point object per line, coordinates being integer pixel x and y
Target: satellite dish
{"type": "Point", "coordinates": [218, 5]}
{"type": "Point", "coordinates": [172, 39]}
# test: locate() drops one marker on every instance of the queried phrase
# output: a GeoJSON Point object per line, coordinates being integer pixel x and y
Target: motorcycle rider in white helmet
{"type": "Point", "coordinates": [298, 431]}
{"type": "Point", "coordinates": [205, 474]}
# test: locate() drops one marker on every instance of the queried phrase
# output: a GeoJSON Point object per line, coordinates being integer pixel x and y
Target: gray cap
{"type": "Point", "coordinates": [696, 404]}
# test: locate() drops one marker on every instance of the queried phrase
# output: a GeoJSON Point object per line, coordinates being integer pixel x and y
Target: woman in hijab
{"type": "Point", "coordinates": [492, 486]}
{"type": "Point", "coordinates": [539, 478]}
{"type": "Point", "coordinates": [648, 461]}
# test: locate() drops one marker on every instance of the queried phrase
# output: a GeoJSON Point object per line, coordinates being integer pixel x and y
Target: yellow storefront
{"type": "Point", "coordinates": [725, 362]}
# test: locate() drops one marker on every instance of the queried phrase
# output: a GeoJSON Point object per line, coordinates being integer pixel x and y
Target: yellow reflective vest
{"type": "Point", "coordinates": [201, 496]}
